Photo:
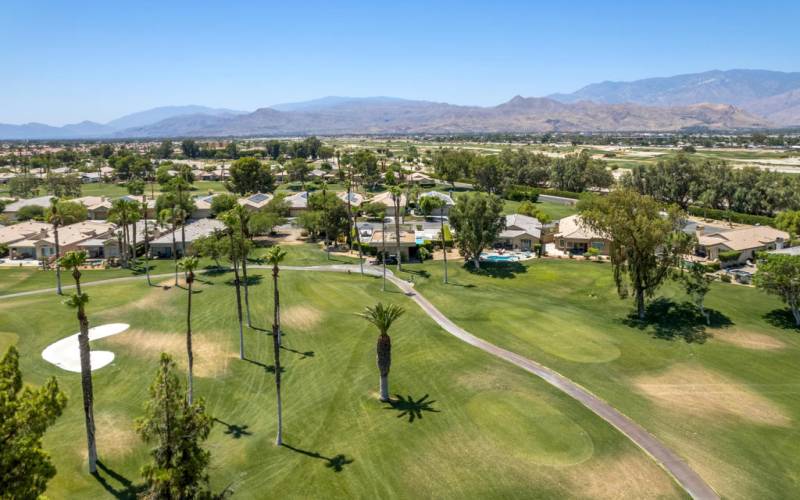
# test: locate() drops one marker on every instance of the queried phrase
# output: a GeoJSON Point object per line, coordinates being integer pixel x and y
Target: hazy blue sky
{"type": "Point", "coordinates": [66, 61]}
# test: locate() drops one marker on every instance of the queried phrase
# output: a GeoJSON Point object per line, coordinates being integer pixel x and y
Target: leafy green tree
{"type": "Point", "coordinates": [298, 170]}
{"type": "Point", "coordinates": [488, 173]}
{"type": "Point", "coordinates": [248, 175]}
{"type": "Point", "coordinates": [477, 219]}
{"type": "Point", "coordinates": [210, 246]}
{"type": "Point", "coordinates": [222, 203]}
{"type": "Point", "coordinates": [164, 150]}
{"type": "Point", "coordinates": [23, 186]}
{"type": "Point", "coordinates": [275, 256]}
{"type": "Point", "coordinates": [190, 148]}
{"type": "Point", "coordinates": [579, 172]}
{"type": "Point", "coordinates": [428, 205]}
{"type": "Point", "coordinates": [780, 275]}
{"type": "Point", "coordinates": [25, 415]}
{"type": "Point", "coordinates": [453, 164]}
{"type": "Point", "coordinates": [789, 221]}
{"type": "Point", "coordinates": [30, 212]}
{"type": "Point", "coordinates": [74, 261]}
{"type": "Point", "coordinates": [135, 187]}
{"type": "Point", "coordinates": [646, 239]}
{"type": "Point", "coordinates": [697, 283]}
{"type": "Point", "coordinates": [264, 221]}
{"type": "Point", "coordinates": [177, 428]}
{"type": "Point", "coordinates": [383, 317]}
{"type": "Point", "coordinates": [365, 164]}
{"type": "Point", "coordinates": [532, 210]}
{"type": "Point", "coordinates": [63, 186]}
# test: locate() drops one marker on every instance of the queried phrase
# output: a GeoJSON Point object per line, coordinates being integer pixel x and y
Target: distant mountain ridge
{"type": "Point", "coordinates": [725, 100]}
{"type": "Point", "coordinates": [773, 95]}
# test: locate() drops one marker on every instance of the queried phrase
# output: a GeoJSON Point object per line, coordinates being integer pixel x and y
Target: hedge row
{"type": "Point", "coordinates": [563, 194]}
{"type": "Point", "coordinates": [739, 218]}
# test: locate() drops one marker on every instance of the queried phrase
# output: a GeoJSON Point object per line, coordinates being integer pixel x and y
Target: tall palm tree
{"type": "Point", "coordinates": [274, 256]}
{"type": "Point", "coordinates": [188, 265]}
{"type": "Point", "coordinates": [243, 221]}
{"type": "Point", "coordinates": [56, 219]}
{"type": "Point", "coordinates": [429, 204]}
{"type": "Point", "coordinates": [382, 317]}
{"type": "Point", "coordinates": [78, 300]}
{"type": "Point", "coordinates": [352, 217]}
{"type": "Point", "coordinates": [230, 222]}
{"type": "Point", "coordinates": [146, 240]}
{"type": "Point", "coordinates": [120, 214]}
{"type": "Point", "coordinates": [396, 194]}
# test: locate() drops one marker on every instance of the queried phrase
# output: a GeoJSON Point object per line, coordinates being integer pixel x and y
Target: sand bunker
{"type": "Point", "coordinates": [705, 393]}
{"type": "Point", "coordinates": [66, 355]}
{"type": "Point", "coordinates": [749, 340]}
{"type": "Point", "coordinates": [211, 358]}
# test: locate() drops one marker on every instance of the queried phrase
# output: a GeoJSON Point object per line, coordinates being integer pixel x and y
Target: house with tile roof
{"type": "Point", "coordinates": [575, 237]}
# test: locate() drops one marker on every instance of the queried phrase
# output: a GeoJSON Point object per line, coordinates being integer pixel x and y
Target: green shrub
{"type": "Point", "coordinates": [737, 217]}
{"type": "Point", "coordinates": [562, 194]}
{"type": "Point", "coordinates": [731, 256]}
{"type": "Point", "coordinates": [522, 193]}
{"type": "Point", "coordinates": [726, 278]}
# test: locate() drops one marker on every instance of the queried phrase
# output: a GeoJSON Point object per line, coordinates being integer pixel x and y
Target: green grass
{"type": "Point", "coordinates": [727, 404]}
{"type": "Point", "coordinates": [469, 425]}
{"type": "Point", "coordinates": [19, 279]}
{"type": "Point", "coordinates": [113, 190]}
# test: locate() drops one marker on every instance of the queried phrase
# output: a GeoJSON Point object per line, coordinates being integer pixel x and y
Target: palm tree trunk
{"type": "Point", "coordinates": [246, 294]}
{"type": "Point", "coordinates": [397, 233]}
{"type": "Point", "coordinates": [146, 247]}
{"type": "Point", "coordinates": [86, 385]}
{"type": "Point", "coordinates": [360, 250]}
{"type": "Point", "coordinates": [444, 246]}
{"type": "Point", "coordinates": [235, 261]}
{"type": "Point", "coordinates": [640, 303]}
{"type": "Point", "coordinates": [133, 250]}
{"type": "Point", "coordinates": [58, 264]}
{"type": "Point", "coordinates": [383, 251]}
{"type": "Point", "coordinates": [183, 237]}
{"type": "Point", "coordinates": [384, 359]}
{"type": "Point", "coordinates": [174, 247]}
{"type": "Point", "coordinates": [276, 347]}
{"type": "Point", "coordinates": [189, 280]}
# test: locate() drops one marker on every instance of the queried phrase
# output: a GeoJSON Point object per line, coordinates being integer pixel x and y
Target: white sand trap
{"type": "Point", "coordinates": [66, 354]}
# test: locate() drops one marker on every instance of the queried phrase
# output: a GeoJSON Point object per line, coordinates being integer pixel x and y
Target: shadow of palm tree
{"type": "Point", "coordinates": [303, 355]}
{"type": "Point", "coordinates": [407, 407]}
{"type": "Point", "coordinates": [267, 368]}
{"type": "Point", "coordinates": [127, 490]}
{"type": "Point", "coordinates": [233, 430]}
{"type": "Point", "coordinates": [781, 318]}
{"type": "Point", "coordinates": [336, 463]}
{"type": "Point", "coordinates": [215, 270]}
{"type": "Point", "coordinates": [671, 320]}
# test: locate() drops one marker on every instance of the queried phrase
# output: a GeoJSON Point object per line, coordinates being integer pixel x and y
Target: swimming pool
{"type": "Point", "coordinates": [500, 258]}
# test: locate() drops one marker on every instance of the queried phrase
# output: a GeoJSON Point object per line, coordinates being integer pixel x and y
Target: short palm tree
{"type": "Point", "coordinates": [188, 266]}
{"type": "Point", "coordinates": [78, 300]}
{"type": "Point", "coordinates": [274, 256]}
{"type": "Point", "coordinates": [383, 317]}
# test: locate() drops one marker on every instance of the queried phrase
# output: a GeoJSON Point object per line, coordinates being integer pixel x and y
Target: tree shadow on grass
{"type": "Point", "coordinates": [672, 320]}
{"type": "Point", "coordinates": [407, 407]}
{"type": "Point", "coordinates": [502, 270]}
{"type": "Point", "coordinates": [215, 270]}
{"type": "Point", "coordinates": [303, 355]}
{"type": "Point", "coordinates": [267, 368]}
{"type": "Point", "coordinates": [252, 280]}
{"type": "Point", "coordinates": [422, 273]}
{"type": "Point", "coordinates": [335, 463]}
{"type": "Point", "coordinates": [233, 430]}
{"type": "Point", "coordinates": [126, 490]}
{"type": "Point", "coordinates": [781, 318]}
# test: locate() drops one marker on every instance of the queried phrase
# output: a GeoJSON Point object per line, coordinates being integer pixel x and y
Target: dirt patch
{"type": "Point", "coordinates": [705, 393]}
{"type": "Point", "coordinates": [303, 317]}
{"type": "Point", "coordinates": [211, 358]}
{"type": "Point", "coordinates": [634, 476]}
{"type": "Point", "coordinates": [749, 340]}
{"type": "Point", "coordinates": [116, 435]}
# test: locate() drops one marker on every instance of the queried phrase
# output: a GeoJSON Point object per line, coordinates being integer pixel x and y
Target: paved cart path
{"type": "Point", "coordinates": [666, 458]}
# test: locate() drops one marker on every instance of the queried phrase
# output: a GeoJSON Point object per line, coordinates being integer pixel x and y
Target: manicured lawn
{"type": "Point", "coordinates": [24, 279]}
{"type": "Point", "coordinates": [729, 403]}
{"type": "Point", "coordinates": [468, 425]}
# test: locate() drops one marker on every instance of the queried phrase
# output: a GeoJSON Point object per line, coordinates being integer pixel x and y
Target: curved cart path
{"type": "Point", "coordinates": [689, 480]}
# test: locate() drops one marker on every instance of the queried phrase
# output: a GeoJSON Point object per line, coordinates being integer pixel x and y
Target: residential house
{"type": "Point", "coordinates": [386, 198]}
{"type": "Point", "coordinates": [97, 207]}
{"type": "Point", "coordinates": [256, 202]}
{"type": "Point", "coordinates": [71, 236]}
{"type": "Point", "coordinates": [521, 233]}
{"type": "Point", "coordinates": [448, 202]}
{"type": "Point", "coordinates": [408, 241]}
{"type": "Point", "coordinates": [202, 206]}
{"type": "Point", "coordinates": [420, 179]}
{"type": "Point", "coordinates": [27, 231]}
{"type": "Point", "coordinates": [356, 199]}
{"type": "Point", "coordinates": [298, 203]}
{"type": "Point", "coordinates": [739, 245]}
{"type": "Point", "coordinates": [12, 209]}
{"type": "Point", "coordinates": [161, 247]}
{"type": "Point", "coordinates": [573, 236]}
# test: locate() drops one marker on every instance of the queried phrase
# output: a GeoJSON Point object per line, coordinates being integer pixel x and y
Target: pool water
{"type": "Point", "coordinates": [499, 258]}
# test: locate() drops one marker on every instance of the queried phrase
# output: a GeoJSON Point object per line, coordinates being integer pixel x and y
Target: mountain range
{"type": "Point", "coordinates": [722, 100]}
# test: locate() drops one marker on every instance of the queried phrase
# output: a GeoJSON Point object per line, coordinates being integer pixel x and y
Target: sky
{"type": "Point", "coordinates": [69, 61]}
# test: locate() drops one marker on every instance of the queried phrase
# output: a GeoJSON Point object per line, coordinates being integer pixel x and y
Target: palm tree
{"type": "Point", "coordinates": [382, 317]}
{"type": "Point", "coordinates": [428, 204]}
{"type": "Point", "coordinates": [243, 220]}
{"type": "Point", "coordinates": [56, 219]}
{"type": "Point", "coordinates": [146, 240]}
{"type": "Point", "coordinates": [352, 217]}
{"type": "Point", "coordinates": [123, 211]}
{"type": "Point", "coordinates": [396, 194]}
{"type": "Point", "coordinates": [188, 265]}
{"type": "Point", "coordinates": [78, 300]}
{"type": "Point", "coordinates": [274, 256]}
{"type": "Point", "coordinates": [230, 222]}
